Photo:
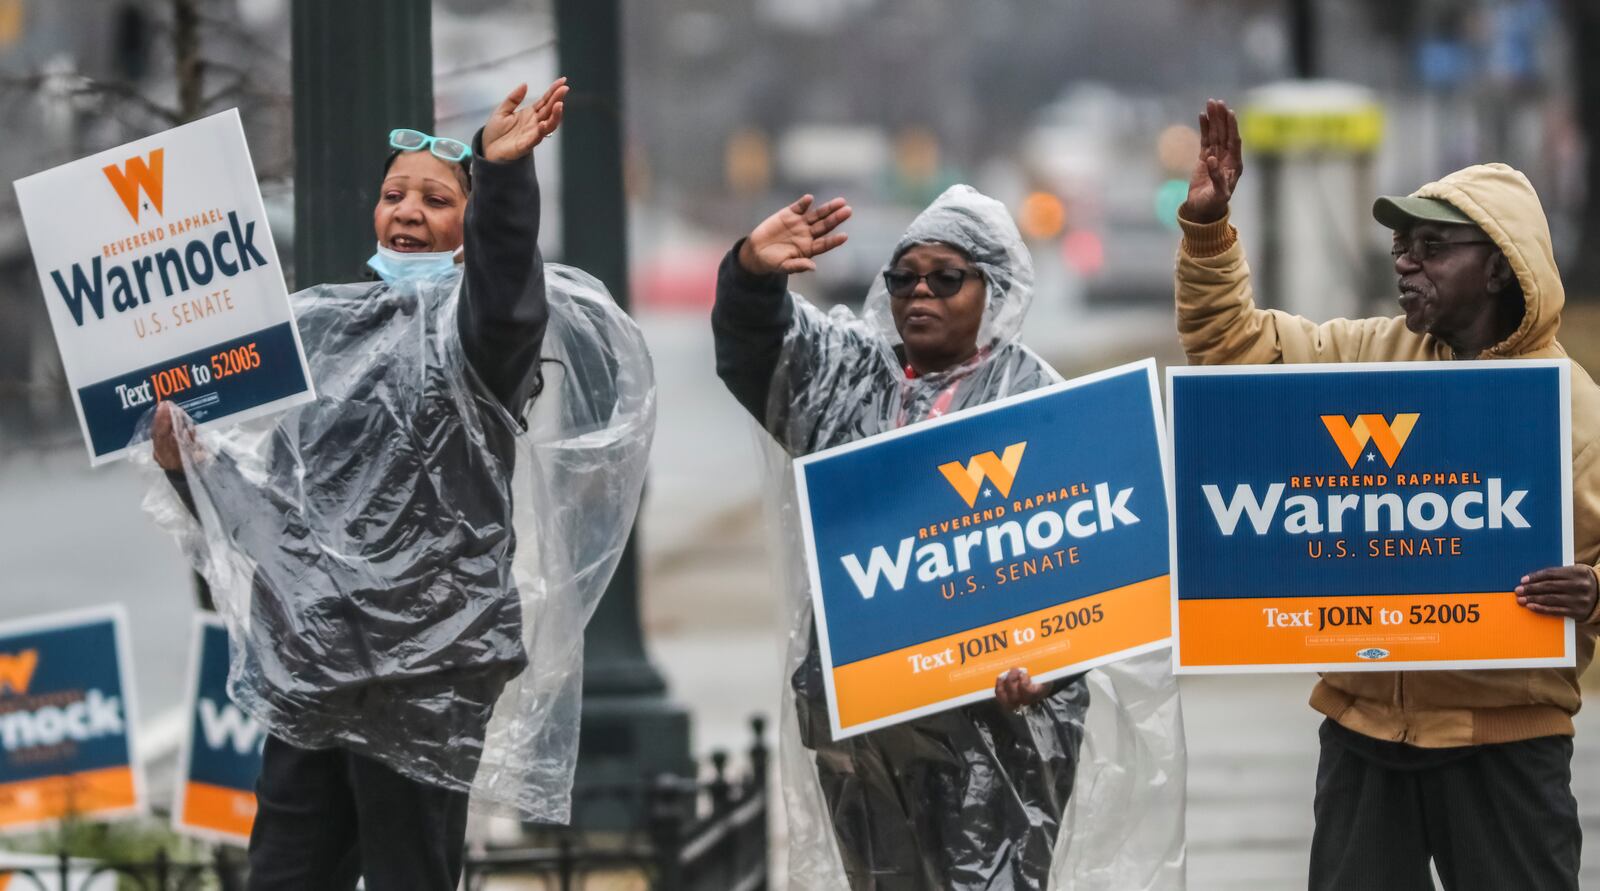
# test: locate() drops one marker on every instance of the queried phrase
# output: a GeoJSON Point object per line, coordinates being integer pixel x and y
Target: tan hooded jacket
{"type": "Point", "coordinates": [1220, 324]}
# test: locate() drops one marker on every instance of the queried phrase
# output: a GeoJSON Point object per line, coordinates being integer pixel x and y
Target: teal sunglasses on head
{"type": "Point", "coordinates": [443, 147]}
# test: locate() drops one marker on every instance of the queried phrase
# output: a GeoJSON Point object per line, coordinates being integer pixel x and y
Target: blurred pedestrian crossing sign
{"type": "Point", "coordinates": [1316, 116]}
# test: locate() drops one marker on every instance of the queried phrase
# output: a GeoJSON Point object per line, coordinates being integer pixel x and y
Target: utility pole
{"type": "Point", "coordinates": [630, 730]}
{"type": "Point", "coordinates": [360, 68]}
{"type": "Point", "coordinates": [1303, 38]}
{"type": "Point", "coordinates": [191, 87]}
{"type": "Point", "coordinates": [186, 48]}
{"type": "Point", "coordinates": [1582, 21]}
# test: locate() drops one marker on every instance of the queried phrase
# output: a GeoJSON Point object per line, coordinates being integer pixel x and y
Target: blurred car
{"type": "Point", "coordinates": [1097, 149]}
{"type": "Point", "coordinates": [845, 275]}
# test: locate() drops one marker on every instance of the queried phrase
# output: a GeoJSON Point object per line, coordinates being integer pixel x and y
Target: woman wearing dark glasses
{"type": "Point", "coordinates": [974, 797]}
{"type": "Point", "coordinates": [406, 630]}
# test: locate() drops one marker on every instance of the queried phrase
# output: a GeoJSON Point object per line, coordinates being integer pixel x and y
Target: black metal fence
{"type": "Point", "coordinates": [699, 835]}
{"type": "Point", "coordinates": [224, 872]}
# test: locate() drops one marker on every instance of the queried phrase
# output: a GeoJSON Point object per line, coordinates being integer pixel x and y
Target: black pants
{"type": "Point", "coordinates": [1492, 818]}
{"type": "Point", "coordinates": [968, 799]}
{"type": "Point", "coordinates": [326, 817]}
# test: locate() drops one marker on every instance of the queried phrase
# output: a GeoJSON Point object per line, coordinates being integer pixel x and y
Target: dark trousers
{"type": "Point", "coordinates": [1491, 818]}
{"type": "Point", "coordinates": [969, 799]}
{"type": "Point", "coordinates": [326, 817]}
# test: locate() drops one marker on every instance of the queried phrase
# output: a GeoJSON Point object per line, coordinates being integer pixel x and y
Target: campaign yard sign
{"type": "Point", "coordinates": [66, 719]}
{"type": "Point", "coordinates": [220, 756]}
{"type": "Point", "coordinates": [1030, 532]}
{"type": "Point", "coordinates": [1368, 517]}
{"type": "Point", "coordinates": [163, 283]}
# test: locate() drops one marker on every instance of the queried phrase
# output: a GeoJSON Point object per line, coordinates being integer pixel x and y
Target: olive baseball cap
{"type": "Point", "coordinates": [1403, 212]}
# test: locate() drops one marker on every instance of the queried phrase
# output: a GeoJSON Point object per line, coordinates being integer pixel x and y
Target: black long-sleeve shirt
{"type": "Point", "coordinates": [503, 307]}
{"type": "Point", "coordinates": [748, 322]}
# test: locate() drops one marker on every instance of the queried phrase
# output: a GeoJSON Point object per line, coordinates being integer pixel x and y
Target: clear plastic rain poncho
{"type": "Point", "coordinates": [389, 585]}
{"type": "Point", "coordinates": [1083, 790]}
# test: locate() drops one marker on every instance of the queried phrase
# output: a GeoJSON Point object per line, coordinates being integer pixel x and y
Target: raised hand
{"type": "Point", "coordinates": [1217, 171]}
{"type": "Point", "coordinates": [788, 240]}
{"type": "Point", "coordinates": [512, 132]}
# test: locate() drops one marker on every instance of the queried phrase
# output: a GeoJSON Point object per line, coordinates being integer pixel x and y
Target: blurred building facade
{"type": "Point", "coordinates": [1069, 109]}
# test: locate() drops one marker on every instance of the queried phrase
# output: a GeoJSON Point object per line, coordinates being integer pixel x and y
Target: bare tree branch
{"type": "Point", "coordinates": [190, 67]}
{"type": "Point", "coordinates": [231, 29]}
{"type": "Point", "coordinates": [88, 86]}
{"type": "Point", "coordinates": [228, 68]}
{"type": "Point", "coordinates": [495, 63]}
{"type": "Point", "coordinates": [241, 89]}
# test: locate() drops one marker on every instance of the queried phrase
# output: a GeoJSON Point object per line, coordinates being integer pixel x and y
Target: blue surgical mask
{"type": "Point", "coordinates": [396, 266]}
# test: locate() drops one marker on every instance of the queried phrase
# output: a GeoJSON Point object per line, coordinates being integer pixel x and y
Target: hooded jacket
{"type": "Point", "coordinates": [1220, 324]}
{"type": "Point", "coordinates": [975, 779]}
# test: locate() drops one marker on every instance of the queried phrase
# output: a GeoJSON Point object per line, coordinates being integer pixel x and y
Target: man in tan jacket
{"type": "Point", "coordinates": [1471, 769]}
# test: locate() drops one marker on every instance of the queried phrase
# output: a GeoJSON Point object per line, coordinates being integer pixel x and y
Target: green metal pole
{"type": "Point", "coordinates": [630, 731]}
{"type": "Point", "coordinates": [360, 69]}
{"type": "Point", "coordinates": [1303, 38]}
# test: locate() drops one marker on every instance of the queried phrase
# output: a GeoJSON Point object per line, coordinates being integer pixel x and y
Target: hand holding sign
{"type": "Point", "coordinates": [173, 433]}
{"type": "Point", "coordinates": [1015, 690]}
{"type": "Point", "coordinates": [1568, 591]}
{"type": "Point", "coordinates": [165, 439]}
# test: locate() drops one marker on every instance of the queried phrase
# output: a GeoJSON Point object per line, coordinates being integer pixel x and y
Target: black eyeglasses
{"type": "Point", "coordinates": [944, 283]}
{"type": "Point", "coordinates": [1426, 249]}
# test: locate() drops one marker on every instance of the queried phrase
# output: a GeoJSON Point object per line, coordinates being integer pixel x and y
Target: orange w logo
{"type": "Point", "coordinates": [968, 478]}
{"type": "Point", "coordinates": [16, 670]}
{"type": "Point", "coordinates": [1388, 436]}
{"type": "Point", "coordinates": [136, 175]}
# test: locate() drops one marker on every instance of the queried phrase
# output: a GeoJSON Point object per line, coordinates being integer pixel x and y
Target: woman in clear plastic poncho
{"type": "Point", "coordinates": [1073, 784]}
{"type": "Point", "coordinates": [406, 564]}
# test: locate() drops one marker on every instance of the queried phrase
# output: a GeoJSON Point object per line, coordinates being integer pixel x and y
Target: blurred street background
{"type": "Point", "coordinates": [1079, 115]}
